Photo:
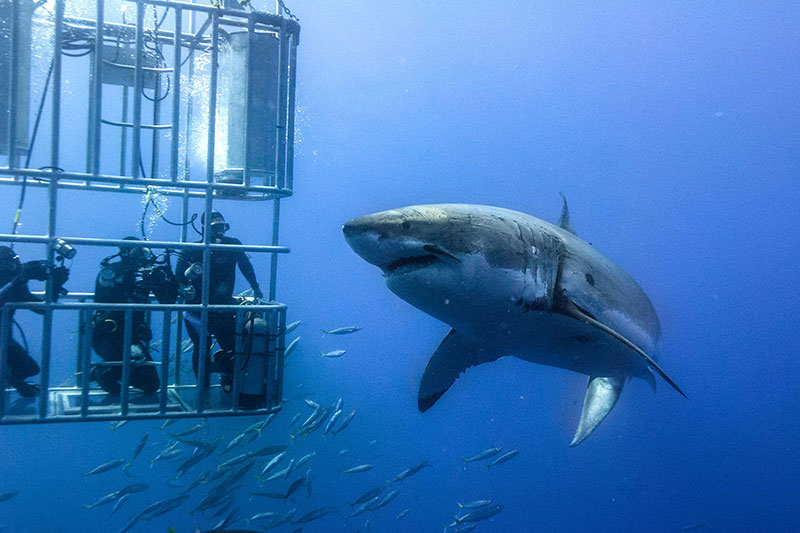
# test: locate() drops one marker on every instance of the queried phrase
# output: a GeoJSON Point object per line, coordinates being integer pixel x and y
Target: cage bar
{"type": "Point", "coordinates": [117, 56]}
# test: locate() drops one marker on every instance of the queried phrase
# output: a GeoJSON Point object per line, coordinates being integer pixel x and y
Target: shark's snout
{"type": "Point", "coordinates": [364, 236]}
{"type": "Point", "coordinates": [352, 229]}
{"type": "Point", "coordinates": [394, 240]}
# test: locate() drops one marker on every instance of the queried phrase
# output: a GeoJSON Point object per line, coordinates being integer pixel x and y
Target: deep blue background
{"type": "Point", "coordinates": [674, 132]}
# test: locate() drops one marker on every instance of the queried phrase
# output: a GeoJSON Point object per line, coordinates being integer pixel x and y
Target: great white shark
{"type": "Point", "coordinates": [510, 284]}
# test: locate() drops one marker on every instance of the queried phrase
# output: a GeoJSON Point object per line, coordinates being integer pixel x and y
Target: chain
{"type": "Point", "coordinates": [288, 11]}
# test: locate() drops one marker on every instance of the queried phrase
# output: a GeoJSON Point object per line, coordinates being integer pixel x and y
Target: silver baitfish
{"type": "Point", "coordinates": [189, 430]}
{"type": "Point", "coordinates": [341, 331]}
{"type": "Point", "coordinates": [477, 504]}
{"type": "Point", "coordinates": [139, 448]}
{"type": "Point", "coordinates": [345, 422]}
{"type": "Point", "coordinates": [409, 472]}
{"type": "Point", "coordinates": [271, 464]}
{"type": "Point", "coordinates": [291, 327]}
{"type": "Point", "coordinates": [289, 349]}
{"type": "Point", "coordinates": [358, 469]}
{"type": "Point", "coordinates": [105, 467]}
{"type": "Point", "coordinates": [485, 454]}
{"type": "Point", "coordinates": [503, 458]}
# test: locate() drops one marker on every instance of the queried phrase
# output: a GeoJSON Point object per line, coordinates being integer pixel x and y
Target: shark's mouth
{"type": "Point", "coordinates": [418, 262]}
{"type": "Point", "coordinates": [409, 264]}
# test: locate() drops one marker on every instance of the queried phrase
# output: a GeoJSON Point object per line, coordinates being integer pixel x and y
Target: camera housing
{"type": "Point", "coordinates": [64, 250]}
{"type": "Point", "coordinates": [153, 276]}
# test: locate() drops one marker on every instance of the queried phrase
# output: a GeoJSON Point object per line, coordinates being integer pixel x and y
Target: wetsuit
{"type": "Point", "coordinates": [222, 325]}
{"type": "Point", "coordinates": [21, 365]}
{"type": "Point", "coordinates": [108, 327]}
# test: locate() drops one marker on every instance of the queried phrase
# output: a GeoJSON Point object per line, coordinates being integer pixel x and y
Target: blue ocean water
{"type": "Point", "coordinates": [673, 129]}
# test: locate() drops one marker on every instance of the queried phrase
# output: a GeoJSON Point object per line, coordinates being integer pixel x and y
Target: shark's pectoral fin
{"type": "Point", "coordinates": [569, 308]}
{"type": "Point", "coordinates": [454, 355]}
{"type": "Point", "coordinates": [601, 396]}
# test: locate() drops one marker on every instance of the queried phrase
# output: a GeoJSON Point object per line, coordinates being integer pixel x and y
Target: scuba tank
{"type": "Point", "coordinates": [253, 370]}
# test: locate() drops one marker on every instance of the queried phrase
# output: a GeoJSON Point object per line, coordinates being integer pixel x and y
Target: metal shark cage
{"type": "Point", "coordinates": [243, 120]}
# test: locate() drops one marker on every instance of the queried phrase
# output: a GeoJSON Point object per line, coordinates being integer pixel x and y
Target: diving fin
{"type": "Point", "coordinates": [454, 355]}
{"type": "Point", "coordinates": [602, 394]}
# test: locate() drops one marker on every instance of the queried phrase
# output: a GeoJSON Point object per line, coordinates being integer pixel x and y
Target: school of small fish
{"type": "Point", "coordinates": [215, 472]}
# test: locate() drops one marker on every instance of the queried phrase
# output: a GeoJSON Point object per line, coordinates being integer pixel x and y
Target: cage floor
{"type": "Point", "coordinates": [67, 402]}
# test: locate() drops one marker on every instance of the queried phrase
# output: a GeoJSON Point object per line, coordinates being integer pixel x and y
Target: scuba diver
{"type": "Point", "coordinates": [222, 325]}
{"type": "Point", "coordinates": [129, 280]}
{"type": "Point", "coordinates": [14, 277]}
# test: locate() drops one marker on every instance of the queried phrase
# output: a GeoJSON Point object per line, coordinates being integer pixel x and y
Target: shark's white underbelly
{"type": "Point", "coordinates": [488, 310]}
{"type": "Point", "coordinates": [553, 339]}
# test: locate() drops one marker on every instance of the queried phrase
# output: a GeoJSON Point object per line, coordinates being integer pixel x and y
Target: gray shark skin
{"type": "Point", "coordinates": [511, 284]}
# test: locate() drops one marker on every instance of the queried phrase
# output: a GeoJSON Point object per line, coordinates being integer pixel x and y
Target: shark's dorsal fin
{"type": "Point", "coordinates": [602, 394]}
{"type": "Point", "coordinates": [454, 355]}
{"type": "Point", "coordinates": [570, 309]}
{"type": "Point", "coordinates": [564, 221]}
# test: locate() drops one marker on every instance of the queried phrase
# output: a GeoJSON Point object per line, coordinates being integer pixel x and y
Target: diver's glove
{"type": "Point", "coordinates": [257, 294]}
{"type": "Point", "coordinates": [186, 293]}
{"type": "Point", "coordinates": [60, 276]}
{"type": "Point", "coordinates": [35, 270]}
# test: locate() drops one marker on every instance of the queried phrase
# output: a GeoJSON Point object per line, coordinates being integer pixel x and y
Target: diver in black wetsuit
{"type": "Point", "coordinates": [129, 280]}
{"type": "Point", "coordinates": [14, 277]}
{"type": "Point", "coordinates": [222, 325]}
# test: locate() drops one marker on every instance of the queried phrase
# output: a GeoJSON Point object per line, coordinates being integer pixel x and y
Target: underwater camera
{"type": "Point", "coordinates": [63, 250]}
{"type": "Point", "coordinates": [193, 272]}
{"type": "Point", "coordinates": [153, 276]}
{"type": "Point", "coordinates": [188, 292]}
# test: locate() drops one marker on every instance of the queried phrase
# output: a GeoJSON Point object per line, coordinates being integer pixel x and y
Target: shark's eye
{"type": "Point", "coordinates": [406, 224]}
